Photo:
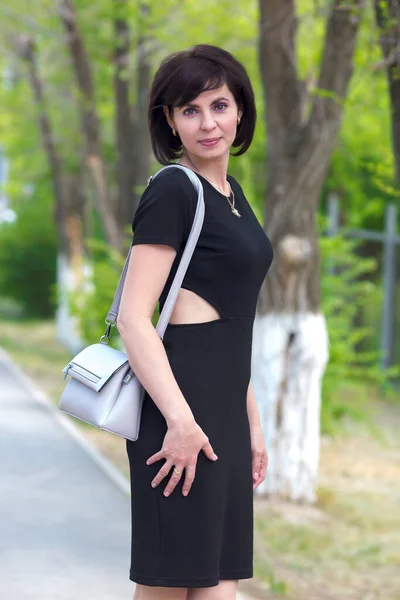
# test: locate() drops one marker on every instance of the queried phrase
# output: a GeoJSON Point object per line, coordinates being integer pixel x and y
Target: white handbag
{"type": "Point", "coordinates": [102, 389]}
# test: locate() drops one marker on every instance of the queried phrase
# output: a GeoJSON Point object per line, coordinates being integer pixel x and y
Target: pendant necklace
{"type": "Point", "coordinates": [231, 204]}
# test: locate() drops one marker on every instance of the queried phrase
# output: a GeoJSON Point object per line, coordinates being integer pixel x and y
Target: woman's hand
{"type": "Point", "coordinates": [260, 456]}
{"type": "Point", "coordinates": [181, 446]}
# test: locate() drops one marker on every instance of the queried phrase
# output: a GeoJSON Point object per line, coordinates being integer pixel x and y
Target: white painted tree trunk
{"type": "Point", "coordinates": [68, 280]}
{"type": "Point", "coordinates": [286, 379]}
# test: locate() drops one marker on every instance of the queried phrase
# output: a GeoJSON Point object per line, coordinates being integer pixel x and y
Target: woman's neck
{"type": "Point", "coordinates": [215, 171]}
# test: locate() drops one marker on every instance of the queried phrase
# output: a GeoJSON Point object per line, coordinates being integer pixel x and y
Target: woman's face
{"type": "Point", "coordinates": [213, 114]}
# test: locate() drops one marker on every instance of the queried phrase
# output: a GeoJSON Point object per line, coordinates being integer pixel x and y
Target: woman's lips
{"type": "Point", "coordinates": [214, 143]}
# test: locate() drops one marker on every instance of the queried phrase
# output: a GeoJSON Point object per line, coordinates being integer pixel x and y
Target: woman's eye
{"type": "Point", "coordinates": [221, 104]}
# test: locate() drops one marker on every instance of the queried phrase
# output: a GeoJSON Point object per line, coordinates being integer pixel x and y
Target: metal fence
{"type": "Point", "coordinates": [390, 241]}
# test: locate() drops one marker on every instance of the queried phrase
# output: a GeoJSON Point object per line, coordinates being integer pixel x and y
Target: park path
{"type": "Point", "coordinates": [64, 525]}
{"type": "Point", "coordinates": [64, 511]}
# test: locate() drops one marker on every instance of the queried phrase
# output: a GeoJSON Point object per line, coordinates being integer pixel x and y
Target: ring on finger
{"type": "Point", "coordinates": [177, 472]}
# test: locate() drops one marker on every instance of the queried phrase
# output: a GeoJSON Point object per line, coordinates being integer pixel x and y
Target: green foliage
{"type": "Point", "coordinates": [92, 302]}
{"type": "Point", "coordinates": [365, 136]}
{"type": "Point", "coordinates": [347, 288]}
{"type": "Point", "coordinates": [362, 169]}
{"type": "Point", "coordinates": [28, 259]}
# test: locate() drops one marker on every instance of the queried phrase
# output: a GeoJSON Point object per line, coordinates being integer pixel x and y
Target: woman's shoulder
{"type": "Point", "coordinates": [166, 209]}
{"type": "Point", "coordinates": [171, 181]}
{"type": "Point", "coordinates": [171, 175]}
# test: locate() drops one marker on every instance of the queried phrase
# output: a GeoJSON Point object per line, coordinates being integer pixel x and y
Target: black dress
{"type": "Point", "coordinates": [197, 540]}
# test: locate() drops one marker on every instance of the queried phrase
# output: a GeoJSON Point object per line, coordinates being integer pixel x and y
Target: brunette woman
{"type": "Point", "coordinates": [200, 452]}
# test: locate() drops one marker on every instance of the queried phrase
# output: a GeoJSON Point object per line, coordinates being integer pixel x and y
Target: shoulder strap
{"type": "Point", "coordinates": [184, 262]}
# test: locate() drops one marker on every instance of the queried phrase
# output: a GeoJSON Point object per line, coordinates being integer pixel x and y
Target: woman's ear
{"type": "Point", "coordinates": [167, 116]}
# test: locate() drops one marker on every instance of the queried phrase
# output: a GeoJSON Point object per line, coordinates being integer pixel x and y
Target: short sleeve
{"type": "Point", "coordinates": [165, 211]}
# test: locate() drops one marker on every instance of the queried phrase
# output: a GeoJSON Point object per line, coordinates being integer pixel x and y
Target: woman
{"type": "Point", "coordinates": [200, 452]}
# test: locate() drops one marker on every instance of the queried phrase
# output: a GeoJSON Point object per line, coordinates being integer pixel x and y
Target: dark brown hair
{"type": "Point", "coordinates": [180, 78]}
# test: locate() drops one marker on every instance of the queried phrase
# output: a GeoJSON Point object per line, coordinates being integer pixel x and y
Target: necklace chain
{"type": "Point", "coordinates": [232, 204]}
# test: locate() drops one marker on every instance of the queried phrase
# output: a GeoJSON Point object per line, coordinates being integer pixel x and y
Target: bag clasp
{"type": "Point", "coordinates": [106, 335]}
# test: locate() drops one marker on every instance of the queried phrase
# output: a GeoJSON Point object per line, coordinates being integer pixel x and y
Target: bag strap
{"type": "Point", "coordinates": [183, 265]}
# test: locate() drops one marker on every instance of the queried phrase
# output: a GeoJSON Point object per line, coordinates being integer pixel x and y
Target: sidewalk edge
{"type": "Point", "coordinates": [108, 468]}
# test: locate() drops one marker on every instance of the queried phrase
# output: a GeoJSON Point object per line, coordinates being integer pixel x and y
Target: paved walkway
{"type": "Point", "coordinates": [64, 512]}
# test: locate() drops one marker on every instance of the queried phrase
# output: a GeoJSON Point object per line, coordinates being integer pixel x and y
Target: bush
{"type": "Point", "coordinates": [28, 252]}
{"type": "Point", "coordinates": [93, 301]}
{"type": "Point", "coordinates": [346, 290]}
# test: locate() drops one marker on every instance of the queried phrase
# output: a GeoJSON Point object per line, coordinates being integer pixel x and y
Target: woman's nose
{"type": "Point", "coordinates": [208, 122]}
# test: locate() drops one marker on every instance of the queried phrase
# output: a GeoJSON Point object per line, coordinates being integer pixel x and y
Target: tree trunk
{"type": "Point", "coordinates": [291, 341]}
{"type": "Point", "coordinates": [143, 154]}
{"type": "Point", "coordinates": [106, 204]}
{"type": "Point", "coordinates": [123, 117]}
{"type": "Point", "coordinates": [72, 266]}
{"type": "Point", "coordinates": [68, 211]}
{"type": "Point", "coordinates": [387, 13]}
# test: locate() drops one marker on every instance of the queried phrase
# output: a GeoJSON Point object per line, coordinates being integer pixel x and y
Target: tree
{"type": "Point", "coordinates": [118, 163]}
{"type": "Point", "coordinates": [69, 203]}
{"type": "Point", "coordinates": [387, 13]}
{"type": "Point", "coordinates": [106, 204]}
{"type": "Point", "coordinates": [291, 342]}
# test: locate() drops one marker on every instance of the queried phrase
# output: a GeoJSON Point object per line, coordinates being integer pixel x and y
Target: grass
{"type": "Point", "coordinates": [346, 547]}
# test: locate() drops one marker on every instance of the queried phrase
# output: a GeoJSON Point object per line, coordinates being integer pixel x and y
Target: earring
{"type": "Point", "coordinates": [238, 120]}
{"type": "Point", "coordinates": [173, 131]}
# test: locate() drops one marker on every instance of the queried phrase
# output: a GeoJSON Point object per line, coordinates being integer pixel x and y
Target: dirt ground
{"type": "Point", "coordinates": [346, 546]}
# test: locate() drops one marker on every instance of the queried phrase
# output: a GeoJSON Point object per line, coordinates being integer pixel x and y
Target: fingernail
{"type": "Point", "coordinates": [153, 484]}
{"type": "Point", "coordinates": [185, 493]}
{"type": "Point", "coordinates": [166, 493]}
{"type": "Point", "coordinates": [256, 475]}
{"type": "Point", "coordinates": [215, 456]}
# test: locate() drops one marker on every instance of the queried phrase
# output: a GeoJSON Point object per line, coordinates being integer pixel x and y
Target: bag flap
{"type": "Point", "coordinates": [95, 364]}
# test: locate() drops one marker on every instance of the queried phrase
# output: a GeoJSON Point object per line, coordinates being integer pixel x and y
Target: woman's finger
{"type": "Point", "coordinates": [155, 457]}
{"type": "Point", "coordinates": [257, 483]}
{"type": "Point", "coordinates": [190, 473]}
{"type": "Point", "coordinates": [175, 477]}
{"type": "Point", "coordinates": [264, 464]}
{"type": "Point", "coordinates": [256, 465]}
{"type": "Point", "coordinates": [263, 470]}
{"type": "Point", "coordinates": [163, 472]}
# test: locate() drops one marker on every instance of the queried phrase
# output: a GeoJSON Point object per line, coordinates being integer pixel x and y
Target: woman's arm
{"type": "Point", "coordinates": [252, 408]}
{"type": "Point", "coordinates": [258, 449]}
{"type": "Point", "coordinates": [147, 272]}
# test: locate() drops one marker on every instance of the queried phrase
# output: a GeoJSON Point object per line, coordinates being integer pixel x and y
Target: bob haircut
{"type": "Point", "coordinates": [180, 78]}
